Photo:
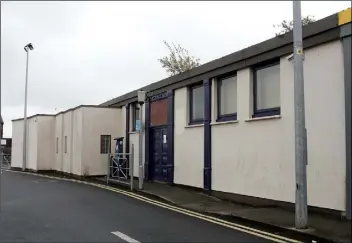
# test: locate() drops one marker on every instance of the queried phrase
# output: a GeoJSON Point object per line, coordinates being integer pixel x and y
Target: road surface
{"type": "Point", "coordinates": [37, 209]}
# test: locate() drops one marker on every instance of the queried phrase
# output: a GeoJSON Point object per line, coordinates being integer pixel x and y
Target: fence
{"type": "Point", "coordinates": [120, 168]}
{"type": "Point", "coordinates": [5, 161]}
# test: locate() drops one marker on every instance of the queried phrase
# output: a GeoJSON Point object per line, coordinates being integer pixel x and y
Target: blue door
{"type": "Point", "coordinates": [159, 156]}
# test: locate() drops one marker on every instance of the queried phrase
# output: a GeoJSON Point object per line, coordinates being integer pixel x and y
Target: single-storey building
{"type": "Point", "coordinates": [75, 141]}
{"type": "Point", "coordinates": [1, 126]}
{"type": "Point", "coordinates": [227, 126]}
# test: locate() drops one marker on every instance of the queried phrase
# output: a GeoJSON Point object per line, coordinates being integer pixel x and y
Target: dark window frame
{"type": "Point", "coordinates": [57, 145]}
{"type": "Point", "coordinates": [269, 111]}
{"type": "Point", "coordinates": [134, 108]}
{"type": "Point", "coordinates": [102, 149]}
{"type": "Point", "coordinates": [65, 145]}
{"type": "Point", "coordinates": [190, 89]}
{"type": "Point", "coordinates": [224, 117]}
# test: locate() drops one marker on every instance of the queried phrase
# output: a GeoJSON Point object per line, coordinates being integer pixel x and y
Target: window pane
{"type": "Point", "coordinates": [268, 87]}
{"type": "Point", "coordinates": [105, 144]}
{"type": "Point", "coordinates": [228, 96]}
{"type": "Point", "coordinates": [135, 116]}
{"type": "Point", "coordinates": [136, 110]}
{"type": "Point", "coordinates": [197, 103]}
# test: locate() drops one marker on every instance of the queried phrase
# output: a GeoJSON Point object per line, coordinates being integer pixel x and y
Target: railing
{"type": "Point", "coordinates": [120, 168]}
{"type": "Point", "coordinates": [5, 161]}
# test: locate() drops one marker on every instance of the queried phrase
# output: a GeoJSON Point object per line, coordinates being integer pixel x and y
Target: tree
{"type": "Point", "coordinates": [178, 60]}
{"type": "Point", "coordinates": [287, 26]}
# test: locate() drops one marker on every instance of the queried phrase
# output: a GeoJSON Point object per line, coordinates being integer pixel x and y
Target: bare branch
{"type": "Point", "coordinates": [287, 26]}
{"type": "Point", "coordinates": [178, 60]}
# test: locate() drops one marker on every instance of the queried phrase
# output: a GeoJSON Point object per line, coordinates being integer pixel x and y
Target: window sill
{"type": "Point", "coordinates": [134, 132]}
{"type": "Point", "coordinates": [194, 125]}
{"type": "Point", "coordinates": [226, 118]}
{"type": "Point", "coordinates": [263, 118]}
{"type": "Point", "coordinates": [222, 123]}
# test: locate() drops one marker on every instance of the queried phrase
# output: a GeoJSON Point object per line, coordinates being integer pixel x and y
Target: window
{"type": "Point", "coordinates": [105, 144]}
{"type": "Point", "coordinates": [57, 145]}
{"type": "Point", "coordinates": [65, 144]}
{"type": "Point", "coordinates": [227, 98]}
{"type": "Point", "coordinates": [266, 90]}
{"type": "Point", "coordinates": [196, 104]}
{"type": "Point", "coordinates": [135, 117]}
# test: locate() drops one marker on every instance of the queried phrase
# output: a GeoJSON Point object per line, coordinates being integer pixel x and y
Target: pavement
{"type": "Point", "coordinates": [322, 227]}
{"type": "Point", "coordinates": [39, 209]}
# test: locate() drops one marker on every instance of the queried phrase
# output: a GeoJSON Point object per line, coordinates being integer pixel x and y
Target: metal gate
{"type": "Point", "coordinates": [5, 161]}
{"type": "Point", "coordinates": [120, 168]}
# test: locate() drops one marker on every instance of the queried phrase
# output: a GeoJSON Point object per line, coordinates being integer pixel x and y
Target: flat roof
{"type": "Point", "coordinates": [65, 111]}
{"type": "Point", "coordinates": [316, 33]}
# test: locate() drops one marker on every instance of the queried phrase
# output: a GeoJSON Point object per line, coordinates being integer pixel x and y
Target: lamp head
{"type": "Point", "coordinates": [141, 96]}
{"type": "Point", "coordinates": [29, 47]}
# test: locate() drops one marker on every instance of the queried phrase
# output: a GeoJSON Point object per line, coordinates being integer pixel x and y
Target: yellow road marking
{"type": "Point", "coordinates": [238, 227]}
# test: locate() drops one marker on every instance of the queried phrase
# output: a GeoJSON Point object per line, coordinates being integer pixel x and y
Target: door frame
{"type": "Point", "coordinates": [151, 159]}
{"type": "Point", "coordinates": [149, 167]}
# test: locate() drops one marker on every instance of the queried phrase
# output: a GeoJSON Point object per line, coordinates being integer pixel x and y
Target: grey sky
{"type": "Point", "coordinates": [89, 52]}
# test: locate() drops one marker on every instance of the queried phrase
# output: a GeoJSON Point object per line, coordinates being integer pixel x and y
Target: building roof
{"type": "Point", "coordinates": [316, 33]}
{"type": "Point", "coordinates": [65, 111]}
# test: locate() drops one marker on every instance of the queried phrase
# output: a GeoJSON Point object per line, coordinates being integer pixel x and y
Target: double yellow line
{"type": "Point", "coordinates": [238, 227]}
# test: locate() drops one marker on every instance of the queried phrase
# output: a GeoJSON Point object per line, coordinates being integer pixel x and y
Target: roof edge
{"type": "Point", "coordinates": [68, 110]}
{"type": "Point", "coordinates": [313, 29]}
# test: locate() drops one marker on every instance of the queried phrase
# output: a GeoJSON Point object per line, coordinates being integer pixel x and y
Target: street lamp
{"type": "Point", "coordinates": [27, 48]}
{"type": "Point", "coordinates": [141, 99]}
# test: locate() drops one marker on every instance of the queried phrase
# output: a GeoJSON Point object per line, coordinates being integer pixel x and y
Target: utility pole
{"type": "Point", "coordinates": [141, 99]}
{"type": "Point", "coordinates": [301, 211]}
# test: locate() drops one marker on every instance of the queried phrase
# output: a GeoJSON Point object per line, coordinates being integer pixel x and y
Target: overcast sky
{"type": "Point", "coordinates": [90, 52]}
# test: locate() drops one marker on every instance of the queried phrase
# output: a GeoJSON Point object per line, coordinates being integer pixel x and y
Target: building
{"type": "Point", "coordinates": [228, 126]}
{"type": "Point", "coordinates": [68, 141]}
{"type": "Point", "coordinates": [1, 127]}
{"type": "Point", "coordinates": [6, 143]}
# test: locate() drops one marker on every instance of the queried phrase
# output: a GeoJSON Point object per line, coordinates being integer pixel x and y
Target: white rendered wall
{"type": "Point", "coordinates": [46, 142]}
{"type": "Point", "coordinates": [256, 157]}
{"type": "Point", "coordinates": [188, 144]}
{"type": "Point", "coordinates": [96, 122]}
{"type": "Point", "coordinates": [17, 144]}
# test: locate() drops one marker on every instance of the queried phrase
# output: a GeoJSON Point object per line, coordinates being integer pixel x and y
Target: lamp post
{"type": "Point", "coordinates": [141, 99]}
{"type": "Point", "coordinates": [27, 48]}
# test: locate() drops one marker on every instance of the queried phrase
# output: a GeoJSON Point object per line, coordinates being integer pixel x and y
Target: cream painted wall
{"type": "Point", "coordinates": [244, 161]}
{"type": "Point", "coordinates": [256, 157]}
{"type": "Point", "coordinates": [82, 127]}
{"type": "Point", "coordinates": [17, 144]}
{"type": "Point", "coordinates": [123, 130]}
{"type": "Point", "coordinates": [32, 143]}
{"type": "Point", "coordinates": [40, 147]}
{"type": "Point", "coordinates": [76, 156]}
{"type": "Point", "coordinates": [46, 142]}
{"type": "Point", "coordinates": [134, 139]}
{"type": "Point", "coordinates": [325, 122]}
{"type": "Point", "coordinates": [67, 132]}
{"type": "Point", "coordinates": [188, 144]}
{"type": "Point", "coordinates": [96, 122]}
{"type": "Point", "coordinates": [58, 135]}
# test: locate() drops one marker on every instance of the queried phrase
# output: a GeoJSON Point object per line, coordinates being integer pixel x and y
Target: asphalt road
{"type": "Point", "coordinates": [36, 209]}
